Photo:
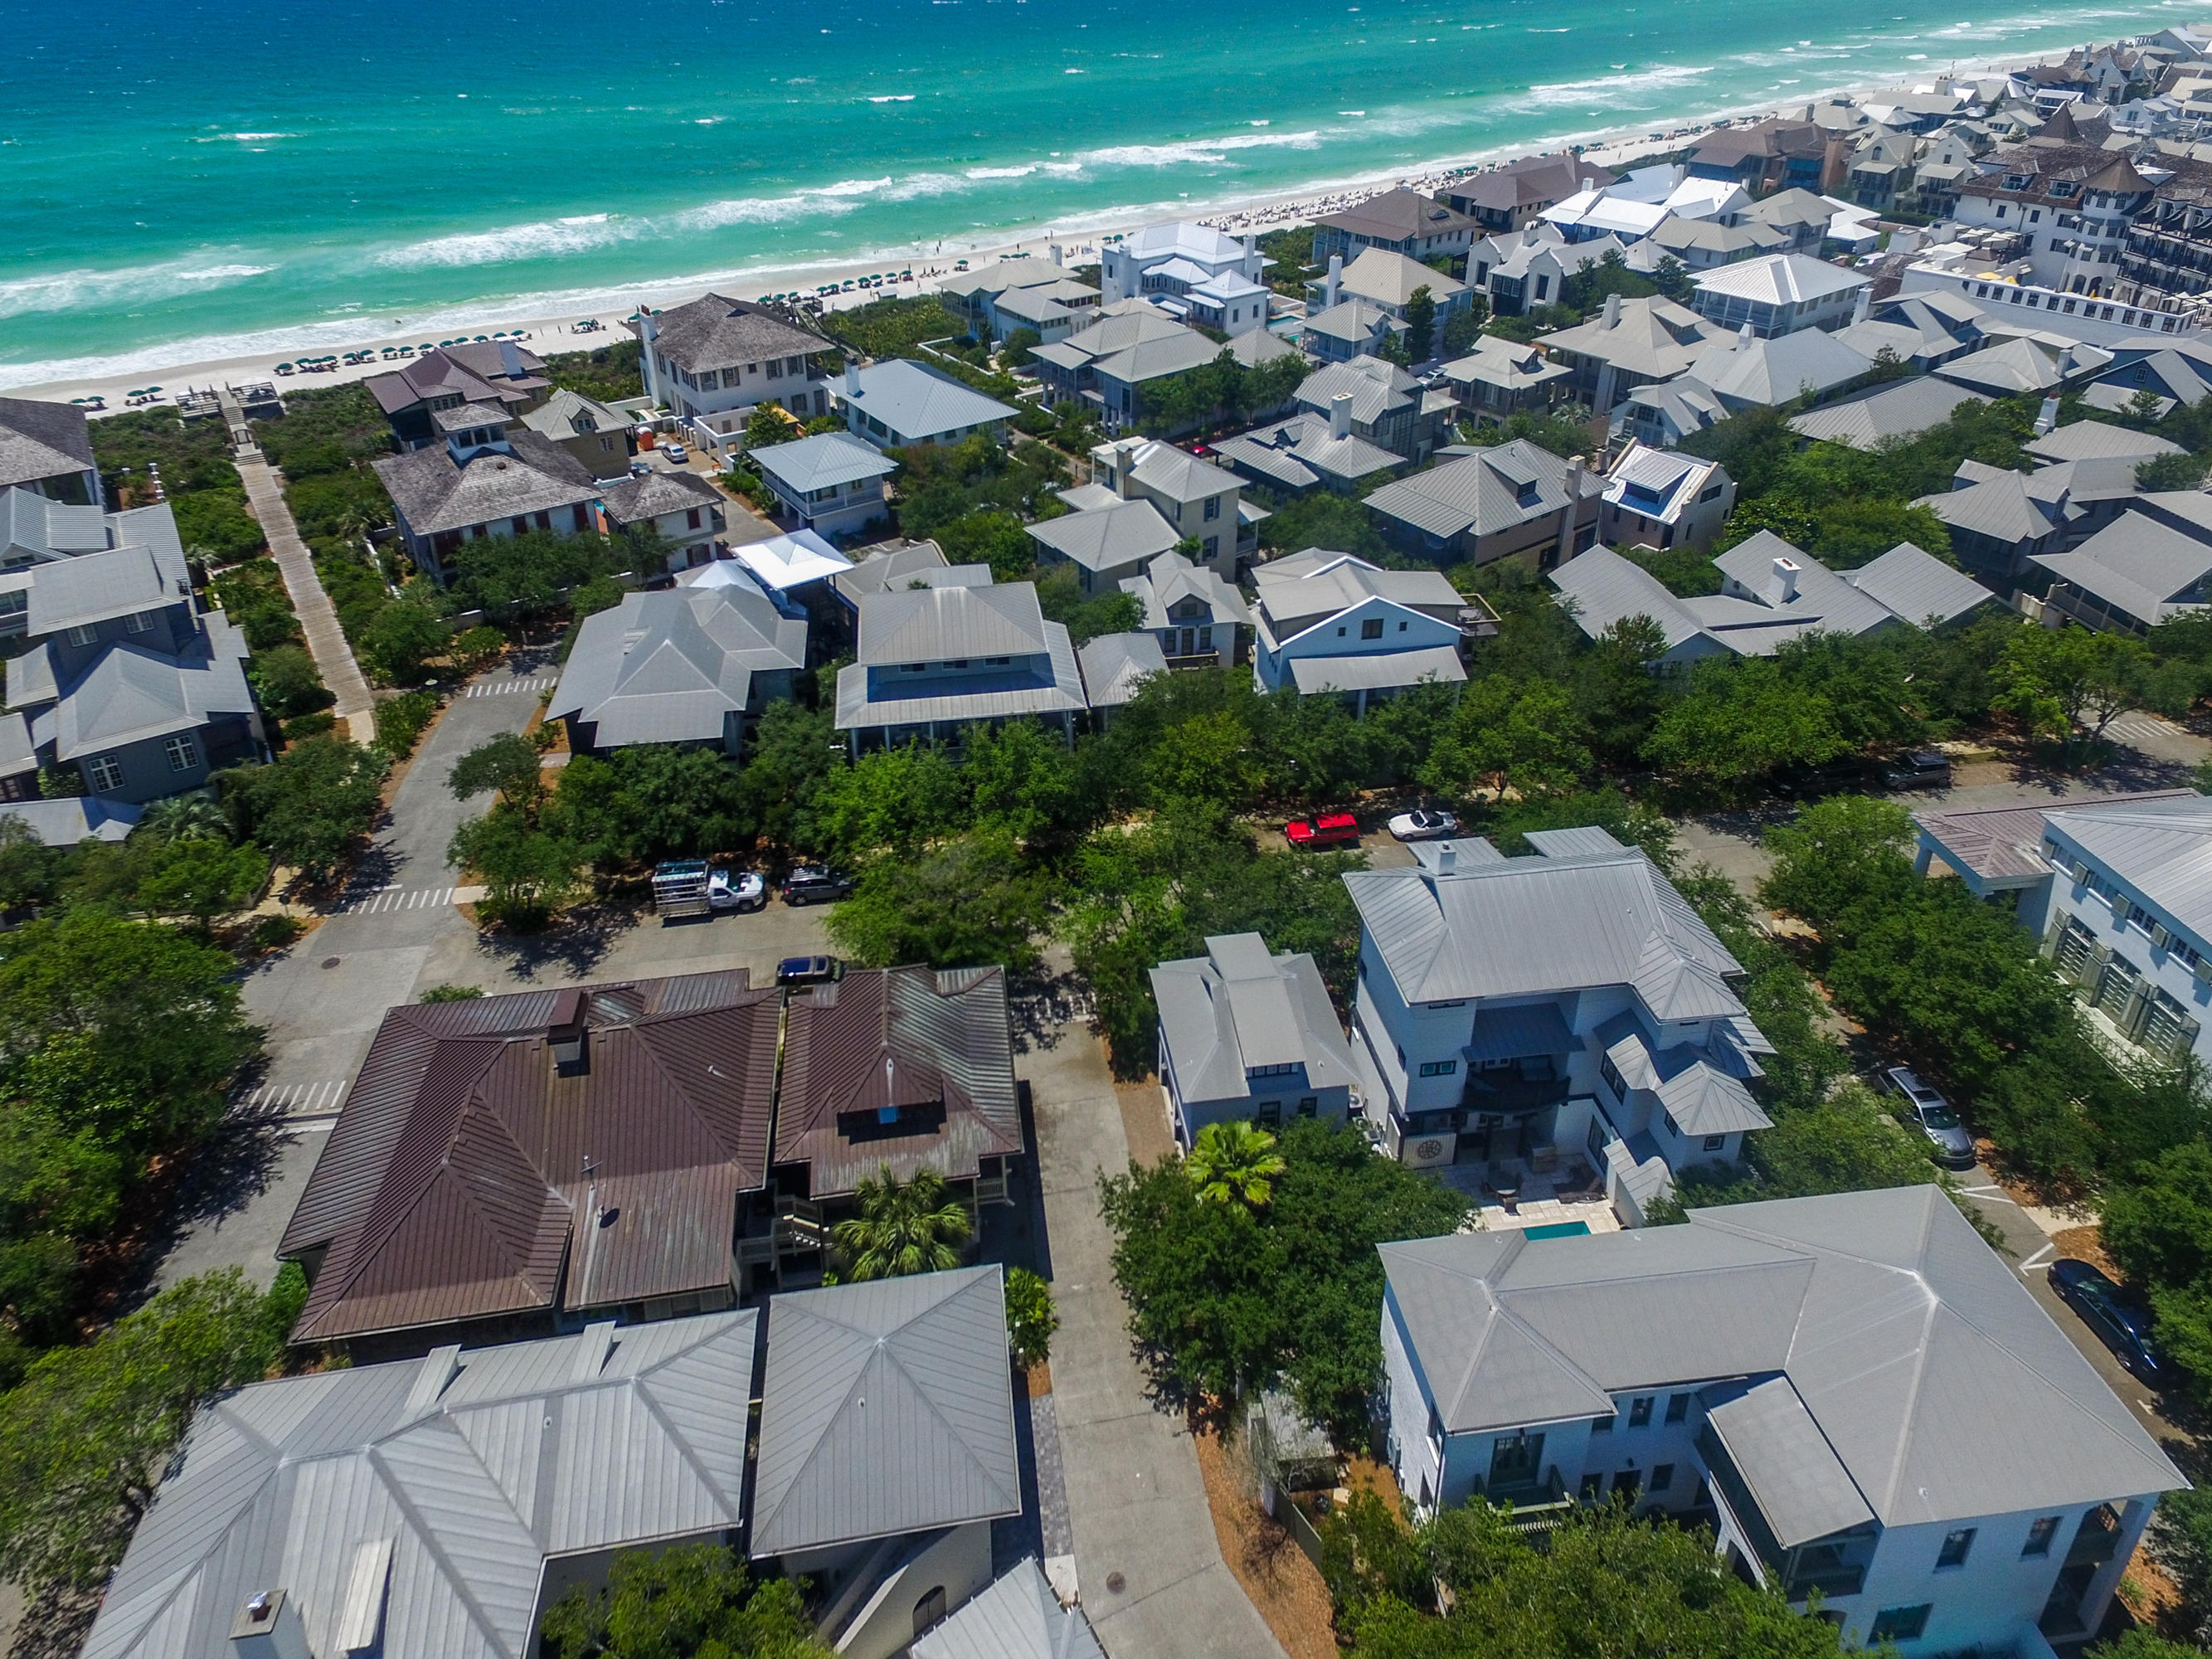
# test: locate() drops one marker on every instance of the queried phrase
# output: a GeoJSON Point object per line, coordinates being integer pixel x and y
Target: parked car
{"type": "Point", "coordinates": [640, 469]}
{"type": "Point", "coordinates": [677, 455]}
{"type": "Point", "coordinates": [1924, 769]}
{"type": "Point", "coordinates": [738, 890]}
{"type": "Point", "coordinates": [1337, 829]}
{"type": "Point", "coordinates": [1424, 823]}
{"type": "Point", "coordinates": [815, 884]}
{"type": "Point", "coordinates": [808, 970]}
{"type": "Point", "coordinates": [1803, 782]}
{"type": "Point", "coordinates": [1954, 1146]}
{"type": "Point", "coordinates": [2120, 1322]}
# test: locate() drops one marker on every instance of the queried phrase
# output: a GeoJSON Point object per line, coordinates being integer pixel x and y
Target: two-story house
{"type": "Point", "coordinates": [1398, 221]}
{"type": "Point", "coordinates": [1661, 499]}
{"type": "Point", "coordinates": [46, 448]}
{"type": "Point", "coordinates": [1629, 343]}
{"type": "Point", "coordinates": [1201, 501]}
{"type": "Point", "coordinates": [1310, 452]}
{"type": "Point", "coordinates": [1516, 499]}
{"type": "Point", "coordinates": [1174, 259]}
{"type": "Point", "coordinates": [1390, 281]}
{"type": "Point", "coordinates": [1509, 196]}
{"type": "Point", "coordinates": [831, 484]}
{"type": "Point", "coordinates": [1249, 1035]}
{"type": "Point", "coordinates": [496, 374]}
{"type": "Point", "coordinates": [931, 661]}
{"type": "Point", "coordinates": [484, 477]}
{"type": "Point", "coordinates": [895, 403]}
{"type": "Point", "coordinates": [1856, 1396]}
{"type": "Point", "coordinates": [125, 682]}
{"type": "Point", "coordinates": [1106, 364]}
{"type": "Point", "coordinates": [1567, 998]}
{"type": "Point", "coordinates": [2150, 564]}
{"type": "Point", "coordinates": [1778, 294]}
{"type": "Point", "coordinates": [1191, 611]}
{"type": "Point", "coordinates": [714, 359]}
{"type": "Point", "coordinates": [681, 509]}
{"type": "Point", "coordinates": [597, 437]}
{"type": "Point", "coordinates": [2108, 886]}
{"type": "Point", "coordinates": [1330, 624]}
{"type": "Point", "coordinates": [1389, 408]}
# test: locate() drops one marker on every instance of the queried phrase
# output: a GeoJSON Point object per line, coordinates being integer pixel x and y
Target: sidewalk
{"type": "Point", "coordinates": [1135, 1494]}
{"type": "Point", "coordinates": [326, 641]}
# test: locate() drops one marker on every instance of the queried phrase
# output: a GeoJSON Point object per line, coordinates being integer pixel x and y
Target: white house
{"type": "Point", "coordinates": [1174, 259]}
{"type": "Point", "coordinates": [1661, 498]}
{"type": "Point", "coordinates": [714, 359]}
{"type": "Point", "coordinates": [1201, 502]}
{"type": "Point", "coordinates": [1778, 294]}
{"type": "Point", "coordinates": [1568, 999]}
{"type": "Point", "coordinates": [2111, 888]}
{"type": "Point", "coordinates": [1330, 624]}
{"type": "Point", "coordinates": [1190, 611]}
{"type": "Point", "coordinates": [1249, 1035]}
{"type": "Point", "coordinates": [1852, 1391]}
{"type": "Point", "coordinates": [681, 509]}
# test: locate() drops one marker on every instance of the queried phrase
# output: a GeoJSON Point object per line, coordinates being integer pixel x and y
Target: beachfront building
{"type": "Point", "coordinates": [1190, 271]}
{"type": "Point", "coordinates": [1330, 624]}
{"type": "Point", "coordinates": [831, 484]}
{"type": "Point", "coordinates": [1191, 613]}
{"type": "Point", "coordinates": [1020, 293]}
{"type": "Point", "coordinates": [1769, 155]}
{"type": "Point", "coordinates": [1629, 343]}
{"type": "Point", "coordinates": [484, 477]}
{"type": "Point", "coordinates": [115, 675]}
{"type": "Point", "coordinates": [1398, 221]}
{"type": "Point", "coordinates": [1655, 498]}
{"type": "Point", "coordinates": [681, 509]}
{"type": "Point", "coordinates": [1508, 197]}
{"type": "Point", "coordinates": [893, 404]}
{"type": "Point", "coordinates": [1501, 377]}
{"type": "Point", "coordinates": [1106, 364]}
{"type": "Point", "coordinates": [1778, 294]}
{"type": "Point", "coordinates": [931, 661]}
{"type": "Point", "coordinates": [1853, 1393]}
{"type": "Point", "coordinates": [599, 438]}
{"type": "Point", "coordinates": [1516, 499]}
{"type": "Point", "coordinates": [492, 373]}
{"type": "Point", "coordinates": [694, 666]}
{"type": "Point", "coordinates": [1249, 1035]}
{"type": "Point", "coordinates": [1389, 408]}
{"type": "Point", "coordinates": [46, 448]}
{"type": "Point", "coordinates": [714, 359]}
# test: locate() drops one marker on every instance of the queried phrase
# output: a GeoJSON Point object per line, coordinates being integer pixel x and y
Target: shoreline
{"type": "Point", "coordinates": [547, 325]}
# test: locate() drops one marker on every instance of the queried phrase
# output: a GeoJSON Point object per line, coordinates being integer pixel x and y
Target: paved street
{"type": "Point", "coordinates": [1135, 1494]}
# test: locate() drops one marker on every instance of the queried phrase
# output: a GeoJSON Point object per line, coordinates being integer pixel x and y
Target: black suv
{"type": "Point", "coordinates": [815, 883]}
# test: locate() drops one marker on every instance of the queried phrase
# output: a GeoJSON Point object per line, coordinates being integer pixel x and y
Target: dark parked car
{"type": "Point", "coordinates": [1954, 1146]}
{"type": "Point", "coordinates": [815, 883]}
{"type": "Point", "coordinates": [1925, 768]}
{"type": "Point", "coordinates": [1804, 783]}
{"type": "Point", "coordinates": [2121, 1324]}
{"type": "Point", "coordinates": [808, 970]}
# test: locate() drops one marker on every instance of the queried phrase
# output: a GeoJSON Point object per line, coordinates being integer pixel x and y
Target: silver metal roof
{"type": "Point", "coordinates": [1053, 685]}
{"type": "Point", "coordinates": [1940, 1387]}
{"type": "Point", "coordinates": [472, 1467]}
{"type": "Point", "coordinates": [1019, 1617]}
{"type": "Point", "coordinates": [917, 402]}
{"type": "Point", "coordinates": [944, 624]}
{"type": "Point", "coordinates": [1917, 585]}
{"type": "Point", "coordinates": [2085, 441]}
{"type": "Point", "coordinates": [1491, 490]}
{"type": "Point", "coordinates": [67, 820]}
{"type": "Point", "coordinates": [1801, 1487]}
{"type": "Point", "coordinates": [2160, 847]}
{"type": "Point", "coordinates": [2001, 843]}
{"type": "Point", "coordinates": [1108, 538]}
{"type": "Point", "coordinates": [672, 666]}
{"type": "Point", "coordinates": [1240, 1006]}
{"type": "Point", "coordinates": [888, 1408]}
{"type": "Point", "coordinates": [1381, 672]}
{"type": "Point", "coordinates": [1171, 578]}
{"type": "Point", "coordinates": [823, 460]}
{"type": "Point", "coordinates": [1114, 665]}
{"type": "Point", "coordinates": [2138, 564]}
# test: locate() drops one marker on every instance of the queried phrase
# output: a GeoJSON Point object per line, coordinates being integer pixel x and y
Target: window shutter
{"type": "Point", "coordinates": [2120, 907]}
{"type": "Point", "coordinates": [2159, 936]}
{"type": "Point", "coordinates": [2184, 1039]}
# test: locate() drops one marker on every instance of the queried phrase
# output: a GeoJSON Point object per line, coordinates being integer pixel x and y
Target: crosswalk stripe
{"type": "Point", "coordinates": [294, 1099]}
{"type": "Point", "coordinates": [396, 898]}
{"type": "Point", "coordinates": [509, 687]}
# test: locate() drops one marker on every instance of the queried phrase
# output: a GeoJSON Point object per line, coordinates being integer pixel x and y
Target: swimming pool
{"type": "Point", "coordinates": [1559, 1230]}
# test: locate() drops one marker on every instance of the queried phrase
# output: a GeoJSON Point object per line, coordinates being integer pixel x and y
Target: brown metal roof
{"type": "Point", "coordinates": [471, 1174]}
{"type": "Point", "coordinates": [2004, 842]}
{"type": "Point", "coordinates": [904, 1067]}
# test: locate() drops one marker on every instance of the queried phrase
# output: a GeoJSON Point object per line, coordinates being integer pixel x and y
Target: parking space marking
{"type": "Point", "coordinates": [2037, 1261]}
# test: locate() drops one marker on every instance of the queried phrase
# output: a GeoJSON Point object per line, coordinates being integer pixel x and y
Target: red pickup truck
{"type": "Point", "coordinates": [1337, 829]}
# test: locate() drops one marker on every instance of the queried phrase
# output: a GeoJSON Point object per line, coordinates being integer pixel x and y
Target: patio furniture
{"type": "Point", "coordinates": [1543, 1160]}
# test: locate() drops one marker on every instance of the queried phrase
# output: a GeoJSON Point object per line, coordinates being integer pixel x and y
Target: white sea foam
{"type": "Point", "coordinates": [1002, 172]}
{"type": "Point", "coordinates": [1615, 91]}
{"type": "Point", "coordinates": [67, 290]}
{"type": "Point", "coordinates": [1201, 151]}
{"type": "Point", "coordinates": [243, 137]}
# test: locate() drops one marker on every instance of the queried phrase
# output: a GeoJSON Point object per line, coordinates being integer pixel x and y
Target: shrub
{"type": "Point", "coordinates": [274, 933]}
{"type": "Point", "coordinates": [1031, 1317]}
{"type": "Point", "coordinates": [310, 725]}
{"type": "Point", "coordinates": [401, 721]}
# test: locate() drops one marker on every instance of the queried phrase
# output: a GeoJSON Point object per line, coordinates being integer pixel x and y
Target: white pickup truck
{"type": "Point", "coordinates": [693, 887]}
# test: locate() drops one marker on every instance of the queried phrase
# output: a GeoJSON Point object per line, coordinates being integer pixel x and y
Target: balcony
{"type": "Point", "coordinates": [1537, 1506]}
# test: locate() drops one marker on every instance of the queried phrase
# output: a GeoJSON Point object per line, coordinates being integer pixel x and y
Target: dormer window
{"type": "Point", "coordinates": [2018, 180]}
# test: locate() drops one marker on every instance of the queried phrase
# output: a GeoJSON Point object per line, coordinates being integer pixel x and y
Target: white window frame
{"type": "Point", "coordinates": [183, 751]}
{"type": "Point", "coordinates": [104, 772]}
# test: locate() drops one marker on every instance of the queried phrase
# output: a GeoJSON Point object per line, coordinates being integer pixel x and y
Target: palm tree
{"type": "Point", "coordinates": [187, 818]}
{"type": "Point", "coordinates": [1234, 1162]}
{"type": "Point", "coordinates": [903, 1227]}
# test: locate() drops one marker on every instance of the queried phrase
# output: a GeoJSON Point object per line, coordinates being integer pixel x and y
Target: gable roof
{"type": "Point", "coordinates": [130, 694]}
{"type": "Point", "coordinates": [454, 1478]}
{"type": "Point", "coordinates": [1942, 1390]}
{"type": "Point", "coordinates": [1396, 215]}
{"type": "Point", "coordinates": [1391, 278]}
{"type": "Point", "coordinates": [1486, 492]}
{"type": "Point", "coordinates": [1307, 588]}
{"type": "Point", "coordinates": [672, 666]}
{"type": "Point", "coordinates": [1170, 578]}
{"type": "Point", "coordinates": [916, 401]}
{"type": "Point", "coordinates": [467, 1162]}
{"type": "Point", "coordinates": [1241, 1007]}
{"type": "Point", "coordinates": [716, 332]}
{"type": "Point", "coordinates": [1303, 451]}
{"type": "Point", "coordinates": [1897, 408]}
{"type": "Point", "coordinates": [2082, 440]}
{"type": "Point", "coordinates": [887, 1408]}
{"type": "Point", "coordinates": [637, 497]}
{"type": "Point", "coordinates": [2139, 564]}
{"type": "Point", "coordinates": [1652, 337]}
{"type": "Point", "coordinates": [40, 440]}
{"type": "Point", "coordinates": [1115, 666]}
{"type": "Point", "coordinates": [1916, 584]}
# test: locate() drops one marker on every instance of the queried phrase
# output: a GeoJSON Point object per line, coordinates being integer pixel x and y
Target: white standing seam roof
{"type": "Point", "coordinates": [1019, 1617]}
{"type": "Point", "coordinates": [1899, 409]}
{"type": "Point", "coordinates": [2161, 847]}
{"type": "Point", "coordinates": [887, 1408]}
{"type": "Point", "coordinates": [2139, 565]}
{"type": "Point", "coordinates": [941, 624]}
{"type": "Point", "coordinates": [1780, 279]}
{"type": "Point", "coordinates": [1916, 584]}
{"type": "Point", "coordinates": [1383, 671]}
{"type": "Point", "coordinates": [473, 1467]}
{"type": "Point", "coordinates": [819, 462]}
{"type": "Point", "coordinates": [1241, 1005]}
{"type": "Point", "coordinates": [781, 561]}
{"type": "Point", "coordinates": [917, 402]}
{"type": "Point", "coordinates": [1928, 1372]}
{"type": "Point", "coordinates": [1801, 1487]}
{"type": "Point", "coordinates": [1115, 666]}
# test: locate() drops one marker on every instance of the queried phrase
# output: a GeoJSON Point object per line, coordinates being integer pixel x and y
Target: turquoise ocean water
{"type": "Point", "coordinates": [182, 179]}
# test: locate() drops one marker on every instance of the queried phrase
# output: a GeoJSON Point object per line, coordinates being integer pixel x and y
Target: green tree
{"type": "Point", "coordinates": [404, 636]}
{"type": "Point", "coordinates": [793, 750]}
{"type": "Point", "coordinates": [692, 1601]}
{"type": "Point", "coordinates": [201, 879]}
{"type": "Point", "coordinates": [1085, 615]}
{"type": "Point", "coordinates": [523, 580]}
{"type": "Point", "coordinates": [450, 993]}
{"type": "Point", "coordinates": [1022, 780]}
{"type": "Point", "coordinates": [989, 536]}
{"type": "Point", "coordinates": [509, 764]}
{"type": "Point", "coordinates": [1019, 348]}
{"type": "Point", "coordinates": [288, 682]}
{"type": "Point", "coordinates": [30, 870]}
{"type": "Point", "coordinates": [902, 1227]}
{"type": "Point", "coordinates": [527, 874]}
{"type": "Point", "coordinates": [1528, 736]}
{"type": "Point", "coordinates": [1420, 324]}
{"type": "Point", "coordinates": [2056, 681]}
{"type": "Point", "coordinates": [969, 900]}
{"type": "Point", "coordinates": [1739, 720]}
{"type": "Point", "coordinates": [308, 806]}
{"type": "Point", "coordinates": [2180, 1541]}
{"type": "Point", "coordinates": [649, 801]}
{"type": "Point", "coordinates": [1031, 1317]}
{"type": "Point", "coordinates": [889, 799]}
{"type": "Point", "coordinates": [1233, 1163]}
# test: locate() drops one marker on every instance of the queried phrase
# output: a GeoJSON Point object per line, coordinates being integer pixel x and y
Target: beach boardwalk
{"type": "Point", "coordinates": [319, 619]}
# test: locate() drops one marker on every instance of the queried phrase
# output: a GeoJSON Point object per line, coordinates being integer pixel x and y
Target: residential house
{"type": "Point", "coordinates": [1019, 1617]}
{"type": "Point", "coordinates": [46, 448]}
{"type": "Point", "coordinates": [1330, 624]}
{"type": "Point", "coordinates": [435, 1508]}
{"type": "Point", "coordinates": [1199, 502]}
{"type": "Point", "coordinates": [1390, 281]}
{"type": "Point", "coordinates": [681, 509]}
{"type": "Point", "coordinates": [831, 484]}
{"type": "Point", "coordinates": [1843, 1389]}
{"type": "Point", "coordinates": [2010, 367]}
{"type": "Point", "coordinates": [930, 661]}
{"type": "Point", "coordinates": [1893, 410]}
{"type": "Point", "coordinates": [1778, 294]}
{"type": "Point", "coordinates": [1635, 206]}
{"type": "Point", "coordinates": [1769, 155]}
{"type": "Point", "coordinates": [595, 436]}
{"type": "Point", "coordinates": [1707, 243]}
{"type": "Point", "coordinates": [1771, 594]}
{"type": "Point", "coordinates": [1801, 216]}
{"type": "Point", "coordinates": [1249, 1035]}
{"type": "Point", "coordinates": [2109, 886]}
{"type": "Point", "coordinates": [692, 666]}
{"type": "Point", "coordinates": [1347, 329]}
{"type": "Point", "coordinates": [1567, 998]}
{"type": "Point", "coordinates": [889, 566]}
{"type": "Point", "coordinates": [1519, 273]}
{"type": "Point", "coordinates": [1307, 453]}
{"type": "Point", "coordinates": [796, 570]}
{"type": "Point", "coordinates": [1229, 303]}
{"type": "Point", "coordinates": [1051, 310]}
{"type": "Point", "coordinates": [2072, 202]}
{"type": "Point", "coordinates": [2169, 240]}
{"type": "Point", "coordinates": [1736, 373]}
{"type": "Point", "coordinates": [2090, 441]}
{"type": "Point", "coordinates": [2001, 521]}
{"type": "Point", "coordinates": [1514, 499]}
{"type": "Point", "coordinates": [1398, 221]}
{"type": "Point", "coordinates": [1192, 615]}
{"type": "Point", "coordinates": [887, 1448]}
{"type": "Point", "coordinates": [1507, 196]}
{"type": "Point", "coordinates": [896, 404]}
{"type": "Point", "coordinates": [66, 820]}
{"type": "Point", "coordinates": [1115, 669]}
{"type": "Point", "coordinates": [1106, 544]}
{"type": "Point", "coordinates": [1656, 498]}
{"type": "Point", "coordinates": [1629, 343]}
{"type": "Point", "coordinates": [1107, 364]}
{"type": "Point", "coordinates": [1881, 169]}
{"type": "Point", "coordinates": [117, 677]}
{"type": "Point", "coordinates": [714, 359]}
{"type": "Point", "coordinates": [2148, 565]}
{"type": "Point", "coordinates": [2175, 371]}
{"type": "Point", "coordinates": [975, 296]}
{"type": "Point", "coordinates": [1500, 378]}
{"type": "Point", "coordinates": [484, 478]}
{"type": "Point", "coordinates": [500, 374]}
{"type": "Point", "coordinates": [1390, 409]}
{"type": "Point", "coordinates": [1174, 259]}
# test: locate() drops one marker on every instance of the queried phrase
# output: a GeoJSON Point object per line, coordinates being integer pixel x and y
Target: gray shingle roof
{"type": "Point", "coordinates": [40, 440]}
{"type": "Point", "coordinates": [918, 403]}
{"type": "Point", "coordinates": [474, 1467]}
{"type": "Point", "coordinates": [433, 494]}
{"type": "Point", "coordinates": [887, 1408]}
{"type": "Point", "coordinates": [1019, 1617]}
{"type": "Point", "coordinates": [1115, 664]}
{"type": "Point", "coordinates": [673, 667]}
{"type": "Point", "coordinates": [568, 414]}
{"type": "Point", "coordinates": [1240, 1006]}
{"type": "Point", "coordinates": [1939, 1385]}
{"type": "Point", "coordinates": [1391, 278]}
{"type": "Point", "coordinates": [712, 332]}
{"type": "Point", "coordinates": [637, 498]}
{"type": "Point", "coordinates": [1108, 538]}
{"type": "Point", "coordinates": [818, 462]}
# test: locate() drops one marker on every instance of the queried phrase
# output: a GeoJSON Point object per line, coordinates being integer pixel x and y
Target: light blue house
{"type": "Point", "coordinates": [1249, 1035]}
{"type": "Point", "coordinates": [1331, 623]}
